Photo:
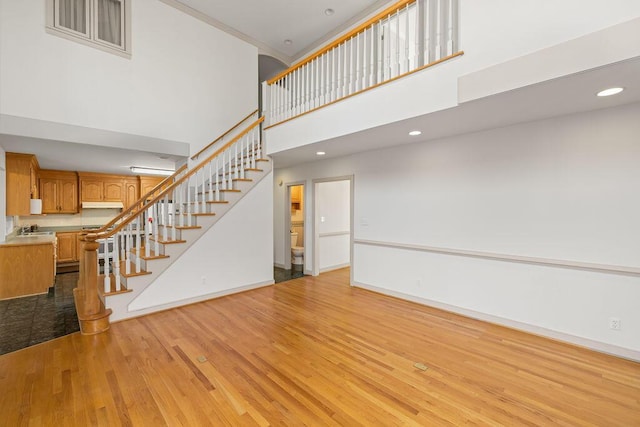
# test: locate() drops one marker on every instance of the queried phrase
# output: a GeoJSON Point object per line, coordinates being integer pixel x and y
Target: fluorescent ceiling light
{"type": "Point", "coordinates": [320, 153]}
{"type": "Point", "coordinates": [415, 133]}
{"type": "Point", "coordinates": [152, 171]}
{"type": "Point", "coordinates": [610, 91]}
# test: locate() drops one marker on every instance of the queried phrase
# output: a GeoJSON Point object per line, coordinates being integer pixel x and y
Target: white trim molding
{"type": "Point", "coordinates": [606, 268]}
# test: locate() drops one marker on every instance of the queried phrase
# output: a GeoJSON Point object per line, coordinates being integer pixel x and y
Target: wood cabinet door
{"type": "Point", "coordinates": [130, 194]}
{"type": "Point", "coordinates": [67, 247]}
{"type": "Point", "coordinates": [49, 195]}
{"type": "Point", "coordinates": [113, 192]}
{"type": "Point", "coordinates": [68, 196]}
{"type": "Point", "coordinates": [91, 191]}
{"type": "Point", "coordinates": [147, 184]}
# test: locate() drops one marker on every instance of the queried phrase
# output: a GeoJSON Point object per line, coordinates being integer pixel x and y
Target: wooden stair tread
{"type": "Point", "coordinates": [168, 242]}
{"type": "Point", "coordinates": [218, 201]}
{"type": "Point", "coordinates": [184, 227]}
{"type": "Point", "coordinates": [151, 256]}
{"type": "Point", "coordinates": [133, 270]}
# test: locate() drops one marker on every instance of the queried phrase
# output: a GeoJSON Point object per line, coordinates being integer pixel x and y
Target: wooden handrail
{"type": "Point", "coordinates": [92, 236]}
{"type": "Point", "coordinates": [136, 205]}
{"type": "Point", "coordinates": [388, 11]}
{"type": "Point", "coordinates": [195, 156]}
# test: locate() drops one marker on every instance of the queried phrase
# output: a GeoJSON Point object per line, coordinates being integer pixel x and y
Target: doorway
{"type": "Point", "coordinates": [332, 224]}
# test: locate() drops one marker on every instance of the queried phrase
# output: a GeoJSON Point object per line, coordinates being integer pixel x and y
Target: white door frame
{"type": "Point", "coordinates": [287, 220]}
{"type": "Point", "coordinates": [314, 235]}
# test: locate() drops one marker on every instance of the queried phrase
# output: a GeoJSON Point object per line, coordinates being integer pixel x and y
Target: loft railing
{"type": "Point", "coordinates": [407, 37]}
{"type": "Point", "coordinates": [107, 253]}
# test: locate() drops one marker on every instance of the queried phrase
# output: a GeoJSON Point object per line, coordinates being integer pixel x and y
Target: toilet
{"type": "Point", "coordinates": [297, 252]}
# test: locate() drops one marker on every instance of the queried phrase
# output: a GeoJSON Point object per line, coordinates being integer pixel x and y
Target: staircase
{"type": "Point", "coordinates": [121, 260]}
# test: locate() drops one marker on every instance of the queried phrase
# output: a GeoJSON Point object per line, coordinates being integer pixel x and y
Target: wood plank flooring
{"type": "Point", "coordinates": [314, 351]}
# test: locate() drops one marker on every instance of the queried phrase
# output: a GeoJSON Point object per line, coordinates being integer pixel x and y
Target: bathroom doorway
{"type": "Point", "coordinates": [295, 228]}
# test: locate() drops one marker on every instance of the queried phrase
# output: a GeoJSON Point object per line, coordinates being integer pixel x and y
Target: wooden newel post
{"type": "Point", "coordinates": [92, 315]}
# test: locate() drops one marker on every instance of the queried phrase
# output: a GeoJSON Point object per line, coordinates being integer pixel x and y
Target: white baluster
{"type": "Point", "coordinates": [218, 178]}
{"type": "Point", "coordinates": [116, 260]}
{"type": "Point", "coordinates": [147, 231]}
{"type": "Point", "coordinates": [166, 218]}
{"type": "Point", "coordinates": [107, 273]}
{"type": "Point", "coordinates": [195, 203]}
{"type": "Point", "coordinates": [235, 157]}
{"type": "Point", "coordinates": [172, 219]}
{"type": "Point", "coordinates": [407, 34]}
{"type": "Point", "coordinates": [230, 176]}
{"type": "Point", "coordinates": [396, 62]}
{"type": "Point", "coordinates": [127, 260]}
{"type": "Point", "coordinates": [452, 38]}
{"type": "Point", "coordinates": [123, 244]}
{"type": "Point", "coordinates": [139, 227]}
{"type": "Point", "coordinates": [156, 209]}
{"type": "Point", "coordinates": [211, 180]}
{"type": "Point", "coordinates": [181, 198]}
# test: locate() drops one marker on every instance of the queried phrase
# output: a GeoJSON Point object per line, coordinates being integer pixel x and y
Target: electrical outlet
{"type": "Point", "coordinates": [418, 283]}
{"type": "Point", "coordinates": [204, 280]}
{"type": "Point", "coordinates": [615, 323]}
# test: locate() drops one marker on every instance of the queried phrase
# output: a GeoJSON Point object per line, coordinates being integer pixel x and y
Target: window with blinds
{"type": "Point", "coordinates": [101, 23]}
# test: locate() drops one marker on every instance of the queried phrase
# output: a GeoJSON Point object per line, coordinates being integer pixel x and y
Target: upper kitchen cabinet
{"type": "Point", "coordinates": [59, 192]}
{"type": "Point", "coordinates": [147, 183]}
{"type": "Point", "coordinates": [96, 187]}
{"type": "Point", "coordinates": [131, 191]}
{"type": "Point", "coordinates": [22, 182]}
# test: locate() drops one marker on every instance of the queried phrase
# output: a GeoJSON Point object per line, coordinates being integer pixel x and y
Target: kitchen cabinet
{"type": "Point", "coordinates": [59, 192]}
{"type": "Point", "coordinates": [147, 183]}
{"type": "Point", "coordinates": [26, 269]}
{"type": "Point", "coordinates": [67, 250]}
{"type": "Point", "coordinates": [96, 187]}
{"type": "Point", "coordinates": [131, 191]}
{"type": "Point", "coordinates": [22, 182]}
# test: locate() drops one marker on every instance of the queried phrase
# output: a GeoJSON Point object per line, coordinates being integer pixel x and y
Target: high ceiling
{"type": "Point", "coordinates": [303, 22]}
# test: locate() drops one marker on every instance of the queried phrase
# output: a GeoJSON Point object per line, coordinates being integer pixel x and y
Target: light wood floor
{"type": "Point", "coordinates": [315, 352]}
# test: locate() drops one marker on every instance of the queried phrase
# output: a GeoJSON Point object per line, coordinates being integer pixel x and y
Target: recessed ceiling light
{"type": "Point", "coordinates": [329, 12]}
{"type": "Point", "coordinates": [415, 133]}
{"type": "Point", "coordinates": [320, 153]}
{"type": "Point", "coordinates": [288, 42]}
{"type": "Point", "coordinates": [610, 91]}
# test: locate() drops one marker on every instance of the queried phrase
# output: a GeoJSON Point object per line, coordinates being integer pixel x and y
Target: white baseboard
{"type": "Point", "coordinates": [601, 347]}
{"type": "Point", "coordinates": [276, 264]}
{"type": "Point", "coordinates": [334, 267]}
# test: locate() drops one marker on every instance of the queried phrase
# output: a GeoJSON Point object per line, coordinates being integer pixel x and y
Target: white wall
{"type": "Point", "coordinates": [186, 81]}
{"type": "Point", "coordinates": [333, 224]}
{"type": "Point", "coordinates": [237, 252]}
{"type": "Point", "coordinates": [3, 195]}
{"type": "Point", "coordinates": [491, 32]}
{"type": "Point", "coordinates": [563, 188]}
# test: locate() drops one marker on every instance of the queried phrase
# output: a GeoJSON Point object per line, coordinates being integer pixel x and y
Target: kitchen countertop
{"type": "Point", "coordinates": [62, 229]}
{"type": "Point", "coordinates": [29, 240]}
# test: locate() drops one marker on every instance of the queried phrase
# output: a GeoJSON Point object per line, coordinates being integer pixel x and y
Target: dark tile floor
{"type": "Point", "coordinates": [31, 320]}
{"type": "Point", "coordinates": [282, 275]}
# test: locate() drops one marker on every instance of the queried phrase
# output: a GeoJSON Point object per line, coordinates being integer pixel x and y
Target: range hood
{"type": "Point", "coordinates": [102, 205]}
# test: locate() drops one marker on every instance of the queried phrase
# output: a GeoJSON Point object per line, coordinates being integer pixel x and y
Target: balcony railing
{"type": "Point", "coordinates": [405, 38]}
